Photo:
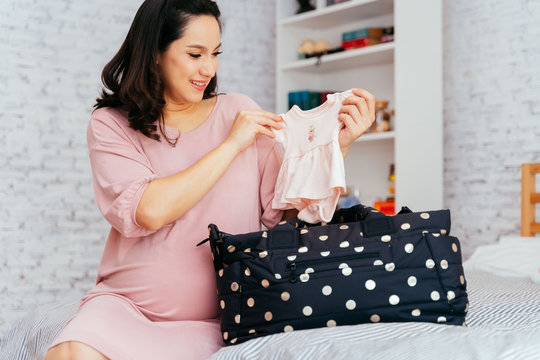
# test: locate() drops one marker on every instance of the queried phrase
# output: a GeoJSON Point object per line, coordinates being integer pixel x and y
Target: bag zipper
{"type": "Point", "coordinates": [292, 266]}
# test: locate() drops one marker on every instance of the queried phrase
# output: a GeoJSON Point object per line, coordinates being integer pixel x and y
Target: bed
{"type": "Point", "coordinates": [503, 282]}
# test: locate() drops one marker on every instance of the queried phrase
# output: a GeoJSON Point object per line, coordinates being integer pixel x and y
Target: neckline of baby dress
{"type": "Point", "coordinates": [308, 114]}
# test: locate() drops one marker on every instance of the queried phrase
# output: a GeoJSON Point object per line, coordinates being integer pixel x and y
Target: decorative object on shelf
{"type": "Point", "coordinates": [392, 183]}
{"type": "Point", "coordinates": [305, 5]}
{"type": "Point", "coordinates": [361, 37]}
{"type": "Point", "coordinates": [388, 206]}
{"type": "Point", "coordinates": [382, 117]}
{"type": "Point", "coordinates": [387, 34]}
{"type": "Point", "coordinates": [310, 48]}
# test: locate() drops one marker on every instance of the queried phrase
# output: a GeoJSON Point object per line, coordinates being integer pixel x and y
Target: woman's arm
{"type": "Point", "coordinates": [166, 199]}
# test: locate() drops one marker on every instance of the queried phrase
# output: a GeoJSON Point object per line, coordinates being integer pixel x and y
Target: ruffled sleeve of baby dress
{"type": "Point", "coordinates": [312, 174]}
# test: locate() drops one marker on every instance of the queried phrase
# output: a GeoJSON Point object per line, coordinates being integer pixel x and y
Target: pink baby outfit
{"type": "Point", "coordinates": [312, 175]}
{"type": "Point", "coordinates": [155, 296]}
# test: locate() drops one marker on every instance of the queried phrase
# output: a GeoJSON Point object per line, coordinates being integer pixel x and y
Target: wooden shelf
{"type": "Point", "coordinates": [334, 15]}
{"type": "Point", "coordinates": [387, 135]}
{"type": "Point", "coordinates": [369, 55]}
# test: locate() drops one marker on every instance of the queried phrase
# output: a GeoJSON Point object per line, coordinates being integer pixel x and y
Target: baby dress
{"type": "Point", "coordinates": [312, 175]}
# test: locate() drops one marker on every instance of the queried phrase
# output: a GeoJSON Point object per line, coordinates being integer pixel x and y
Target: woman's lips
{"type": "Point", "coordinates": [199, 85]}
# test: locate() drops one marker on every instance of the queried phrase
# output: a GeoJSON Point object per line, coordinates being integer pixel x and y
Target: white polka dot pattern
{"type": "Point", "coordinates": [325, 253]}
{"type": "Point", "coordinates": [331, 323]}
{"type": "Point", "coordinates": [390, 267]}
{"type": "Point", "coordinates": [288, 328]}
{"type": "Point", "coordinates": [304, 231]}
{"type": "Point", "coordinates": [405, 226]}
{"type": "Point", "coordinates": [285, 296]}
{"type": "Point", "coordinates": [370, 284]}
{"type": "Point", "coordinates": [303, 249]}
{"type": "Point", "coordinates": [263, 254]}
{"type": "Point", "coordinates": [323, 237]}
{"type": "Point", "coordinates": [327, 290]}
{"type": "Point", "coordinates": [344, 244]}
{"type": "Point", "coordinates": [444, 264]}
{"type": "Point", "coordinates": [359, 249]}
{"type": "Point", "coordinates": [386, 238]}
{"type": "Point", "coordinates": [409, 248]}
{"type": "Point", "coordinates": [411, 281]}
{"type": "Point", "coordinates": [350, 304]}
{"type": "Point", "coordinates": [393, 300]}
{"type": "Point", "coordinates": [291, 258]}
{"type": "Point", "coordinates": [307, 310]}
{"type": "Point", "coordinates": [416, 312]}
{"type": "Point", "coordinates": [435, 296]}
{"type": "Point", "coordinates": [424, 216]}
{"type": "Point", "coordinates": [430, 263]}
{"type": "Point", "coordinates": [375, 318]}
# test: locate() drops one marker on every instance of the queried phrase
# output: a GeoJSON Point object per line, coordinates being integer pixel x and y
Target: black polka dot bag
{"type": "Point", "coordinates": [362, 267]}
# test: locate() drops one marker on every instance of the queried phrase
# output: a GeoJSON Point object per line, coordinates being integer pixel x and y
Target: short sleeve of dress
{"type": "Point", "coordinates": [120, 172]}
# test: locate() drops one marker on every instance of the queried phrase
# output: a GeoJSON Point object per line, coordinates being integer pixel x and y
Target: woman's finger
{"type": "Point", "coordinates": [359, 102]}
{"type": "Point", "coordinates": [268, 122]}
{"type": "Point", "coordinates": [265, 131]}
{"type": "Point", "coordinates": [353, 111]}
{"type": "Point", "coordinates": [367, 96]}
{"type": "Point", "coordinates": [348, 121]}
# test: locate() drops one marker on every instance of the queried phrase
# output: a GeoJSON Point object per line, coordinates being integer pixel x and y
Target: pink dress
{"type": "Point", "coordinates": [312, 175]}
{"type": "Point", "coordinates": [155, 296]}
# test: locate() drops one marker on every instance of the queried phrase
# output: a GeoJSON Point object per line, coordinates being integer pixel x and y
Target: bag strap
{"type": "Point", "coordinates": [216, 245]}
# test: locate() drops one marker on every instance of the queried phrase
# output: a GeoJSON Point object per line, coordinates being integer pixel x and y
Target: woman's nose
{"type": "Point", "coordinates": [208, 68]}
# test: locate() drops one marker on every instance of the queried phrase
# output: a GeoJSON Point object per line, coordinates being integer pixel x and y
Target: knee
{"type": "Point", "coordinates": [72, 350]}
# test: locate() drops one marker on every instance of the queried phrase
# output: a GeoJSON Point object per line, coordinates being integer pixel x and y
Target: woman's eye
{"type": "Point", "coordinates": [196, 56]}
{"type": "Point", "coordinates": [217, 53]}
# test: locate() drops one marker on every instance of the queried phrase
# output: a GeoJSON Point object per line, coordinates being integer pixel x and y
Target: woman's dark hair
{"type": "Point", "coordinates": [132, 79]}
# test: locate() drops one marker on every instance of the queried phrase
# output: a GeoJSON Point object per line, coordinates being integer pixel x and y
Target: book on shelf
{"type": "Point", "coordinates": [304, 99]}
{"type": "Point", "coordinates": [359, 43]}
{"type": "Point", "coordinates": [308, 99]}
{"type": "Point", "coordinates": [371, 32]}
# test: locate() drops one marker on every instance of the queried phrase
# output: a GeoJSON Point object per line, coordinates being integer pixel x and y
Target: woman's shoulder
{"type": "Point", "coordinates": [109, 122]}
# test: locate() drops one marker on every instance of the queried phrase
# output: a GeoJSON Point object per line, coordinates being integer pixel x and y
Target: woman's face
{"type": "Point", "coordinates": [190, 62]}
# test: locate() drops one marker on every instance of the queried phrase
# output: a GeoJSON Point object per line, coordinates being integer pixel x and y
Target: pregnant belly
{"type": "Point", "coordinates": [168, 287]}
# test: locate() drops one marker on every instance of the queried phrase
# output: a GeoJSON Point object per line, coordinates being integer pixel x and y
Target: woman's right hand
{"type": "Point", "coordinates": [249, 124]}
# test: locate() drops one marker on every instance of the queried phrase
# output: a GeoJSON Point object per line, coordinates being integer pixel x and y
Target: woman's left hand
{"type": "Point", "coordinates": [357, 114]}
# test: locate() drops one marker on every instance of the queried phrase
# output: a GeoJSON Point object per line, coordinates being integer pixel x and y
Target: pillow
{"type": "Point", "coordinates": [512, 256]}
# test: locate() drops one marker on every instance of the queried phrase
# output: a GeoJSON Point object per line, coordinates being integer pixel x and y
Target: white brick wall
{"type": "Point", "coordinates": [491, 113]}
{"type": "Point", "coordinates": [52, 54]}
{"type": "Point", "coordinates": [51, 233]}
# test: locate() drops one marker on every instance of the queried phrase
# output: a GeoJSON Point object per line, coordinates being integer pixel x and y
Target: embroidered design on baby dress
{"type": "Point", "coordinates": [312, 175]}
{"type": "Point", "coordinates": [311, 133]}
